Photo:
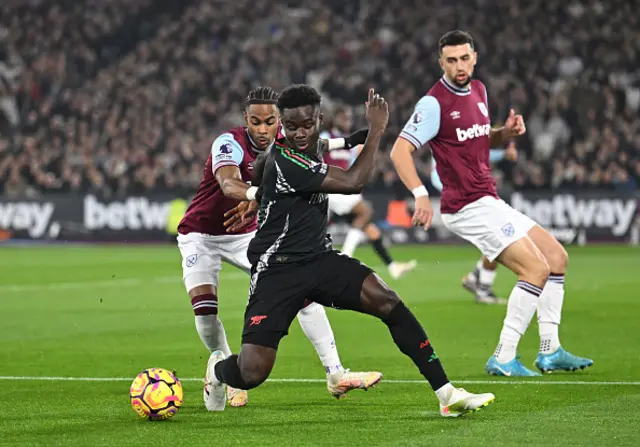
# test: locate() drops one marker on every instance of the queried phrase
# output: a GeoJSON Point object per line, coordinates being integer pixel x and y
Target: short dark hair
{"type": "Point", "coordinates": [453, 38]}
{"type": "Point", "coordinates": [261, 95]}
{"type": "Point", "coordinates": [298, 95]}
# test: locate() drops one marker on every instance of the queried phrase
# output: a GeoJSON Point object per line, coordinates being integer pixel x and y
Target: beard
{"type": "Point", "coordinates": [466, 82]}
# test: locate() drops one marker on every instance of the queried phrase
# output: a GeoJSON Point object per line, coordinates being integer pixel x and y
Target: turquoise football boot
{"type": "Point", "coordinates": [561, 360]}
{"type": "Point", "coordinates": [513, 368]}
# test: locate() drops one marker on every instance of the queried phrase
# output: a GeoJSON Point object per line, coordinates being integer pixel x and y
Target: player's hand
{"type": "Point", "coordinates": [241, 216]}
{"type": "Point", "coordinates": [514, 126]}
{"type": "Point", "coordinates": [377, 112]}
{"type": "Point", "coordinates": [357, 138]}
{"type": "Point", "coordinates": [424, 212]}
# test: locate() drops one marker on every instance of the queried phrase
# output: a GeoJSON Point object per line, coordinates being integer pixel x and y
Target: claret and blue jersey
{"type": "Point", "coordinates": [456, 124]}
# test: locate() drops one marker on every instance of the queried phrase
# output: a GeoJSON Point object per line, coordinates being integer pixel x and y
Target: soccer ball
{"type": "Point", "coordinates": [156, 394]}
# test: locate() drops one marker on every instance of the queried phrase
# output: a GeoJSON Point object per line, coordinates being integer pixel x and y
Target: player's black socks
{"type": "Point", "coordinates": [228, 372]}
{"type": "Point", "coordinates": [381, 250]}
{"type": "Point", "coordinates": [410, 337]}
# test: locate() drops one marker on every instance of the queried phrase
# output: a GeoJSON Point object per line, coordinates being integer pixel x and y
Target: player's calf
{"type": "Point", "coordinates": [407, 333]}
{"type": "Point", "coordinates": [552, 356]}
{"type": "Point", "coordinates": [247, 370]}
{"type": "Point", "coordinates": [525, 260]}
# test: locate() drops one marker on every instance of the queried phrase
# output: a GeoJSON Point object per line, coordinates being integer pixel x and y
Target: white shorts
{"type": "Point", "coordinates": [490, 224]}
{"type": "Point", "coordinates": [202, 256]}
{"type": "Point", "coordinates": [342, 204]}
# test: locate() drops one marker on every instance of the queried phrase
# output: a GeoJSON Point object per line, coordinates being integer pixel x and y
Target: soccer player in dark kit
{"type": "Point", "coordinates": [292, 258]}
{"type": "Point", "coordinates": [453, 117]}
{"type": "Point", "coordinates": [205, 244]}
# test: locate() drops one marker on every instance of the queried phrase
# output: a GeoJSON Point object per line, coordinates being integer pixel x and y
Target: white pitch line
{"type": "Point", "coordinates": [300, 380]}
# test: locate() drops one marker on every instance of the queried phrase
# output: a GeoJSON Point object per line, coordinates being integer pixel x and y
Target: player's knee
{"type": "Point", "coordinates": [367, 211]}
{"type": "Point", "coordinates": [558, 259]}
{"type": "Point", "coordinates": [538, 272]}
{"type": "Point", "coordinates": [381, 303]}
{"type": "Point", "coordinates": [363, 214]}
{"type": "Point", "coordinates": [199, 283]}
{"type": "Point", "coordinates": [310, 310]}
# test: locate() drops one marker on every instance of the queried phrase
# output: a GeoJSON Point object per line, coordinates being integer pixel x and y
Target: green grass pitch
{"type": "Point", "coordinates": [110, 312]}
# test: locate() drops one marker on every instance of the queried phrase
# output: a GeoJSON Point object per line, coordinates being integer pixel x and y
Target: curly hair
{"type": "Point", "coordinates": [261, 95]}
{"type": "Point", "coordinates": [298, 95]}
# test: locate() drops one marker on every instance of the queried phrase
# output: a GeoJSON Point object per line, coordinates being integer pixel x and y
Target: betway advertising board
{"type": "Point", "coordinates": [86, 218]}
{"type": "Point", "coordinates": [600, 216]}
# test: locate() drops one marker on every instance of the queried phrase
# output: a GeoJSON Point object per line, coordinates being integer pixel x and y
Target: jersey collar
{"type": "Point", "coordinates": [455, 89]}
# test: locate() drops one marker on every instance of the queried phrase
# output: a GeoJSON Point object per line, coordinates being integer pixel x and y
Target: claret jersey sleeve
{"type": "Point", "coordinates": [424, 123]}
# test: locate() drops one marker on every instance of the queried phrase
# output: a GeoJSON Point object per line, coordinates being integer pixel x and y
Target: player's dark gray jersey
{"type": "Point", "coordinates": [293, 215]}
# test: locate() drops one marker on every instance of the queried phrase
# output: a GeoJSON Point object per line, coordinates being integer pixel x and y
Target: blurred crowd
{"type": "Point", "coordinates": [119, 97]}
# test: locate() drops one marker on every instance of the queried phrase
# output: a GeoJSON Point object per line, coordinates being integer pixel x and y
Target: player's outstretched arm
{"type": "Point", "coordinates": [423, 125]}
{"type": "Point", "coordinates": [402, 158]}
{"type": "Point", "coordinates": [353, 180]}
{"type": "Point", "coordinates": [232, 185]}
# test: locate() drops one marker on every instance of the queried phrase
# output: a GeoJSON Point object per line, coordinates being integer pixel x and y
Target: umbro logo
{"type": "Point", "coordinates": [455, 115]}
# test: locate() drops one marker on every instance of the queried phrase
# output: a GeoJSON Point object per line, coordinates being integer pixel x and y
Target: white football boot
{"type": "Point", "coordinates": [214, 394]}
{"type": "Point", "coordinates": [343, 381]}
{"type": "Point", "coordinates": [398, 269]}
{"type": "Point", "coordinates": [461, 402]}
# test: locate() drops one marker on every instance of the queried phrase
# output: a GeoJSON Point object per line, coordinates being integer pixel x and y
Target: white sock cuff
{"type": "Point", "coordinates": [528, 287]}
{"type": "Point", "coordinates": [556, 278]}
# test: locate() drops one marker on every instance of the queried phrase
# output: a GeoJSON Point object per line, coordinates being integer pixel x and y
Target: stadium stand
{"type": "Point", "coordinates": [124, 96]}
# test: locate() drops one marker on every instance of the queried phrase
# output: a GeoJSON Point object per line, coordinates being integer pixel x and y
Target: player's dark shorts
{"type": "Point", "coordinates": [280, 290]}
